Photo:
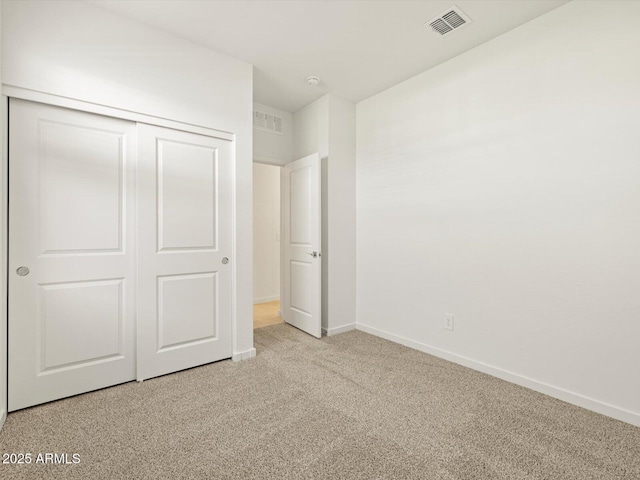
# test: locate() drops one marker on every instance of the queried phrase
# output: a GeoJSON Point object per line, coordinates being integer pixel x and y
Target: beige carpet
{"type": "Point", "coordinates": [350, 406]}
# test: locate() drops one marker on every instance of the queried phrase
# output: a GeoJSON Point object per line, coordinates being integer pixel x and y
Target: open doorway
{"type": "Point", "coordinates": [266, 245]}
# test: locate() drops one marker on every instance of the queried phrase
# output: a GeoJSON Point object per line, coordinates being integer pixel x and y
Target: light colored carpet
{"type": "Point", "coordinates": [351, 406]}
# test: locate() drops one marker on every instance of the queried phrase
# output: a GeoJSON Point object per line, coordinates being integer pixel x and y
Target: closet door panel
{"type": "Point", "coordinates": [72, 252]}
{"type": "Point", "coordinates": [184, 314]}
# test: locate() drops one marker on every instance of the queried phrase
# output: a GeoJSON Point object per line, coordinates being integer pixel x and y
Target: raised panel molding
{"type": "Point", "coordinates": [187, 310]}
{"type": "Point", "coordinates": [82, 186]}
{"type": "Point", "coordinates": [81, 323]}
{"type": "Point", "coordinates": [187, 182]}
{"type": "Point", "coordinates": [300, 227]}
{"type": "Point", "coordinates": [300, 276]}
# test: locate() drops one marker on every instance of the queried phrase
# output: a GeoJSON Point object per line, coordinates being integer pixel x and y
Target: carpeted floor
{"type": "Point", "coordinates": [351, 406]}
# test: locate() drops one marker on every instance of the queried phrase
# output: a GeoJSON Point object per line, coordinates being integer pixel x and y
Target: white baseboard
{"type": "Point", "coordinates": [565, 395]}
{"type": "Point", "coordinates": [266, 299]}
{"type": "Point", "coordinates": [3, 417]}
{"type": "Point", "coordinates": [336, 330]}
{"type": "Point", "coordinates": [246, 355]}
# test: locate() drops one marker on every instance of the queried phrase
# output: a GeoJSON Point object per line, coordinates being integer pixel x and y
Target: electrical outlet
{"type": "Point", "coordinates": [448, 321]}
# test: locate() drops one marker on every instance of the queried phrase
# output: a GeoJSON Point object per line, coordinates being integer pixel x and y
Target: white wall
{"type": "Point", "coordinates": [266, 233]}
{"type": "Point", "coordinates": [341, 214]}
{"type": "Point", "coordinates": [270, 147]}
{"type": "Point", "coordinates": [311, 129]}
{"type": "Point", "coordinates": [503, 187]}
{"type": "Point", "coordinates": [80, 51]}
{"type": "Point", "coordinates": [327, 126]}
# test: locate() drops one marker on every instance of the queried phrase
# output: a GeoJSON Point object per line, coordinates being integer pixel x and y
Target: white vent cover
{"type": "Point", "coordinates": [267, 122]}
{"type": "Point", "coordinates": [448, 21]}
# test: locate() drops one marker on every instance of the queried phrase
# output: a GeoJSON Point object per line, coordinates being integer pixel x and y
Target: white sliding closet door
{"type": "Point", "coordinates": [72, 252]}
{"type": "Point", "coordinates": [184, 245]}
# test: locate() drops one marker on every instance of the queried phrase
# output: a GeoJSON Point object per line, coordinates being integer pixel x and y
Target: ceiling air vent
{"type": "Point", "coordinates": [448, 21]}
{"type": "Point", "coordinates": [267, 122]}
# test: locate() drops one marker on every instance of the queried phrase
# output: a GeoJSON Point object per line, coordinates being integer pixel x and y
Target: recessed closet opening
{"type": "Point", "coordinates": [120, 237]}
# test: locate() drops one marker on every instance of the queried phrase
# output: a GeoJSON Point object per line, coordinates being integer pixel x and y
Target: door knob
{"type": "Point", "coordinates": [315, 254]}
{"type": "Point", "coordinates": [22, 271]}
{"type": "Point", "coordinates": [225, 260]}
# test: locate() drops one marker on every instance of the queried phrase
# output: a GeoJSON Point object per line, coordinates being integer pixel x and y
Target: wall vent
{"type": "Point", "coordinates": [267, 122]}
{"type": "Point", "coordinates": [448, 21]}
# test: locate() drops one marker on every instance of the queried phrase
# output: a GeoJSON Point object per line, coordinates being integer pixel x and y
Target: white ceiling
{"type": "Point", "coordinates": [356, 47]}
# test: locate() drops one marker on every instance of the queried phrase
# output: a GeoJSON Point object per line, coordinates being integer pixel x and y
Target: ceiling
{"type": "Point", "coordinates": [357, 47]}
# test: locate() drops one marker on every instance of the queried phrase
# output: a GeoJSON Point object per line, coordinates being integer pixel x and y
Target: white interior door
{"type": "Point", "coordinates": [185, 235]}
{"type": "Point", "coordinates": [72, 252]}
{"type": "Point", "coordinates": [301, 299]}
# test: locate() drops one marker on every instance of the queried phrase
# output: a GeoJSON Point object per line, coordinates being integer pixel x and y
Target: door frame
{"type": "Point", "coordinates": [9, 91]}
{"type": "Point", "coordinates": [274, 163]}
